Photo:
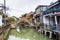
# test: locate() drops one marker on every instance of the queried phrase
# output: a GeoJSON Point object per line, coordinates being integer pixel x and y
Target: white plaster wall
{"type": "Point", "coordinates": [0, 20]}
{"type": "Point", "coordinates": [45, 21]}
{"type": "Point", "coordinates": [38, 11]}
{"type": "Point", "coordinates": [51, 22]}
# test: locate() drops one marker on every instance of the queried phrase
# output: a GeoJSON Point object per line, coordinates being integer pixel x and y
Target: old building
{"type": "Point", "coordinates": [0, 18]}
{"type": "Point", "coordinates": [38, 14]}
{"type": "Point", "coordinates": [3, 15]}
{"type": "Point", "coordinates": [52, 16]}
{"type": "Point", "coordinates": [51, 20]}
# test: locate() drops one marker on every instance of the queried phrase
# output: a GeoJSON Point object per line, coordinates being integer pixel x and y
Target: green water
{"type": "Point", "coordinates": [26, 34]}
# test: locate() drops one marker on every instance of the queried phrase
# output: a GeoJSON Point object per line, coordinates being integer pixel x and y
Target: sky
{"type": "Point", "coordinates": [19, 7]}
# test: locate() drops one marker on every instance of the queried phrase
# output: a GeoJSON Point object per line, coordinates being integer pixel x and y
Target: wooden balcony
{"type": "Point", "coordinates": [52, 10]}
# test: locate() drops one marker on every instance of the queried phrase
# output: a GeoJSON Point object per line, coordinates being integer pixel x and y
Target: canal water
{"type": "Point", "coordinates": [26, 34]}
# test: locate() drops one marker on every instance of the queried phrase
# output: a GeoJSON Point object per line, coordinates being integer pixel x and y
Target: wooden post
{"type": "Point", "coordinates": [56, 21]}
{"type": "Point", "coordinates": [57, 35]}
{"type": "Point", "coordinates": [50, 35]}
{"type": "Point", "coordinates": [45, 32]}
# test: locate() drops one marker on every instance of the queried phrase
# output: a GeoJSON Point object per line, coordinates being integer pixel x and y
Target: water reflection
{"type": "Point", "coordinates": [26, 34]}
{"type": "Point", "coordinates": [11, 37]}
{"type": "Point", "coordinates": [18, 29]}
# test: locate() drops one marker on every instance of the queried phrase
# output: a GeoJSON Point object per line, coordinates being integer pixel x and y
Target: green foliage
{"type": "Point", "coordinates": [11, 19]}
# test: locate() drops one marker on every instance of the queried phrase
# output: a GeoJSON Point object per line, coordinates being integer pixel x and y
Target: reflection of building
{"type": "Point", "coordinates": [51, 17]}
{"type": "Point", "coordinates": [38, 13]}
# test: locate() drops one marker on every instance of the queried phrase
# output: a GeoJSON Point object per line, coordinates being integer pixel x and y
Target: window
{"type": "Point", "coordinates": [38, 19]}
{"type": "Point", "coordinates": [57, 7]}
{"type": "Point", "coordinates": [58, 19]}
{"type": "Point", "coordinates": [44, 8]}
{"type": "Point", "coordinates": [53, 19]}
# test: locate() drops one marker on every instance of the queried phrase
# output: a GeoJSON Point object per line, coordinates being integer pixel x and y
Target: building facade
{"type": "Point", "coordinates": [4, 17]}
{"type": "Point", "coordinates": [51, 16]}
{"type": "Point", "coordinates": [38, 14]}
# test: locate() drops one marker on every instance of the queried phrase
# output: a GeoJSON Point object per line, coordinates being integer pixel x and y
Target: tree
{"type": "Point", "coordinates": [11, 19]}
